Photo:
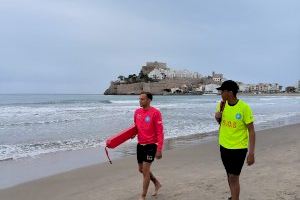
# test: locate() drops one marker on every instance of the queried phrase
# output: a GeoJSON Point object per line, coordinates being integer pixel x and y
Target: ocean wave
{"type": "Point", "coordinates": [261, 118]}
{"type": "Point", "coordinates": [40, 122]}
{"type": "Point", "coordinates": [34, 150]}
{"type": "Point", "coordinates": [272, 98]}
{"type": "Point", "coordinates": [173, 129]}
{"type": "Point", "coordinates": [186, 105]}
{"type": "Point", "coordinates": [46, 111]}
{"type": "Point", "coordinates": [105, 101]}
{"type": "Point", "coordinates": [17, 151]}
{"type": "Point", "coordinates": [57, 102]}
{"type": "Point", "coordinates": [125, 101]}
{"type": "Point", "coordinates": [182, 116]}
{"type": "Point", "coordinates": [203, 101]}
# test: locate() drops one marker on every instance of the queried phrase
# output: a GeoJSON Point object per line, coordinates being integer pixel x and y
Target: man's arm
{"type": "Point", "coordinates": [250, 157]}
{"type": "Point", "coordinates": [134, 120]}
{"type": "Point", "coordinates": [219, 110]}
{"type": "Point", "coordinates": [160, 135]}
{"type": "Point", "coordinates": [218, 116]}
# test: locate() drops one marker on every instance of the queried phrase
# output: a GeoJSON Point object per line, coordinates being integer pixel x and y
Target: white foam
{"type": "Point", "coordinates": [182, 116]}
{"type": "Point", "coordinates": [185, 105]}
{"type": "Point", "coordinates": [274, 117]}
{"type": "Point", "coordinates": [125, 101]}
{"type": "Point", "coordinates": [277, 98]}
{"type": "Point", "coordinates": [17, 151]}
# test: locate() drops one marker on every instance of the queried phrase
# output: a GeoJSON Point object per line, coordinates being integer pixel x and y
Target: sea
{"type": "Point", "coordinates": [36, 125]}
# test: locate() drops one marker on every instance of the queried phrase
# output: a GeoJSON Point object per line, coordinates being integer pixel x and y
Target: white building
{"type": "Point", "coordinates": [217, 77]}
{"type": "Point", "coordinates": [186, 74]}
{"type": "Point", "coordinates": [211, 89]}
{"type": "Point", "coordinates": [264, 88]}
{"type": "Point", "coordinates": [170, 73]}
{"type": "Point", "coordinates": [157, 74]}
{"type": "Point", "coordinates": [201, 88]}
{"type": "Point", "coordinates": [274, 88]}
{"type": "Point", "coordinates": [253, 88]}
{"type": "Point", "coordinates": [244, 87]}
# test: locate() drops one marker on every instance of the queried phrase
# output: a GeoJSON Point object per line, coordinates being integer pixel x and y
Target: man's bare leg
{"type": "Point", "coordinates": [229, 185]}
{"type": "Point", "coordinates": [156, 183]}
{"type": "Point", "coordinates": [146, 179]}
{"type": "Point", "coordinates": [234, 185]}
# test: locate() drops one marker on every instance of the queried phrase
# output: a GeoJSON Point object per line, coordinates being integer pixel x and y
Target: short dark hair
{"type": "Point", "coordinates": [148, 94]}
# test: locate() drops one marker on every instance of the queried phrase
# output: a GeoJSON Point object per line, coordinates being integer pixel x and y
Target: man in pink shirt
{"type": "Point", "coordinates": [150, 137]}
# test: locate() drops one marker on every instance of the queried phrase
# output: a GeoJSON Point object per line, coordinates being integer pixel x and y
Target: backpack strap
{"type": "Point", "coordinates": [222, 106]}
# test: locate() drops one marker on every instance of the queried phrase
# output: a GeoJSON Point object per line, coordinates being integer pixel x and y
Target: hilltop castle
{"type": "Point", "coordinates": [158, 78]}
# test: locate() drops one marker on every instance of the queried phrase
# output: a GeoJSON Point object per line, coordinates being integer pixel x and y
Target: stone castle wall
{"type": "Point", "coordinates": [153, 87]}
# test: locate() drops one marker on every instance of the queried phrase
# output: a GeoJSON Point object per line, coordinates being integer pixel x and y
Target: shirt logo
{"type": "Point", "coordinates": [147, 119]}
{"type": "Point", "coordinates": [238, 116]}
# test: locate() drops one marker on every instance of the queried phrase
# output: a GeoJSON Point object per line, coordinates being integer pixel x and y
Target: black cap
{"type": "Point", "coordinates": [229, 85]}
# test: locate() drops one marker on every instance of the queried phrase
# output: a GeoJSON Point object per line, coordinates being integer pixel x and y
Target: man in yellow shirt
{"type": "Point", "coordinates": [236, 134]}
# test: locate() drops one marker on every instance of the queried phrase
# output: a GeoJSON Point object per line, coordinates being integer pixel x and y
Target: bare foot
{"type": "Point", "coordinates": [157, 187]}
{"type": "Point", "coordinates": [142, 197]}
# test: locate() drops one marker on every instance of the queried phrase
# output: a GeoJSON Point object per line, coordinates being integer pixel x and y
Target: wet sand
{"type": "Point", "coordinates": [190, 173]}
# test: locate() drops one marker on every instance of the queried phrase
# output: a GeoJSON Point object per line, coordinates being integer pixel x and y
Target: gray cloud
{"type": "Point", "coordinates": [79, 46]}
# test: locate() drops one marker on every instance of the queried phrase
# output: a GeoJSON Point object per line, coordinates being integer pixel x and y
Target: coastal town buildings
{"type": "Point", "coordinates": [260, 88]}
{"type": "Point", "coordinates": [211, 89]}
{"type": "Point", "coordinates": [159, 71]}
{"type": "Point", "coordinates": [217, 77]}
{"type": "Point", "coordinates": [158, 78]}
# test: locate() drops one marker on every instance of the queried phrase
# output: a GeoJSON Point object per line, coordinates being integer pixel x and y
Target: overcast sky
{"type": "Point", "coordinates": [60, 46]}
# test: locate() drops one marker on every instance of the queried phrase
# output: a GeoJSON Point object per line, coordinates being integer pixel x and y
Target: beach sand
{"type": "Point", "coordinates": [189, 173]}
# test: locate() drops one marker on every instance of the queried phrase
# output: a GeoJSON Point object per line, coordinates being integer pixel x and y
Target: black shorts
{"type": "Point", "coordinates": [233, 159]}
{"type": "Point", "coordinates": [146, 153]}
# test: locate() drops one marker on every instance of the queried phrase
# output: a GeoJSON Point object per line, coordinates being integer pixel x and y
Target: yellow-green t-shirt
{"type": "Point", "coordinates": [233, 132]}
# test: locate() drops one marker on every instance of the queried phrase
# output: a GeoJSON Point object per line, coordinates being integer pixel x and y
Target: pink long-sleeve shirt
{"type": "Point", "coordinates": [150, 126]}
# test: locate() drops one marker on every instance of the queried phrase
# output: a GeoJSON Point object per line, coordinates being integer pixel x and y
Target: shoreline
{"type": "Point", "coordinates": [242, 94]}
{"type": "Point", "coordinates": [208, 94]}
{"type": "Point", "coordinates": [30, 169]}
{"type": "Point", "coordinates": [270, 94]}
{"type": "Point", "coordinates": [188, 158]}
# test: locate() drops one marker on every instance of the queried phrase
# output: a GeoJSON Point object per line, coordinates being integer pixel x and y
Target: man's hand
{"type": "Point", "coordinates": [218, 115]}
{"type": "Point", "coordinates": [158, 155]}
{"type": "Point", "coordinates": [250, 159]}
